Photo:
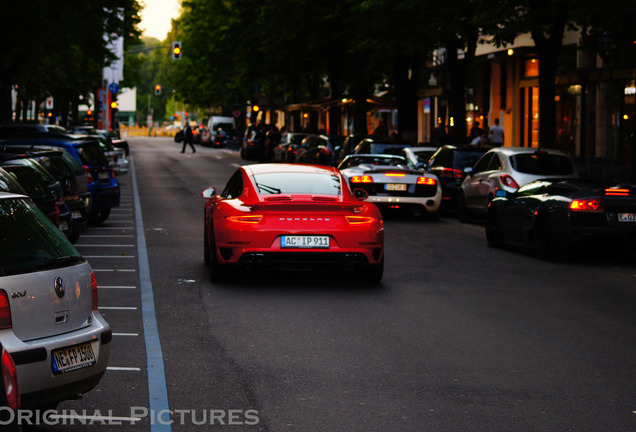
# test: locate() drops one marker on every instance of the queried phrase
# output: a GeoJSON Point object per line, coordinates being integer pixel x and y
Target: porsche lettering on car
{"type": "Point", "coordinates": [277, 216]}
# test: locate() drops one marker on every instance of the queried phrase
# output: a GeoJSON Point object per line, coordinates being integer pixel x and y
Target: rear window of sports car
{"type": "Point", "coordinates": [298, 183]}
{"type": "Point", "coordinates": [542, 164]}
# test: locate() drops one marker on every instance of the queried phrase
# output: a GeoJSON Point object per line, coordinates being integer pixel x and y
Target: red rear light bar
{"type": "Point", "coordinates": [616, 192]}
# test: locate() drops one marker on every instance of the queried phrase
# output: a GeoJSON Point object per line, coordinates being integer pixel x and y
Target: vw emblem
{"type": "Point", "coordinates": [59, 287]}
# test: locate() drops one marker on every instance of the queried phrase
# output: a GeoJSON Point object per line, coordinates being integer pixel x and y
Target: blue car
{"type": "Point", "coordinates": [102, 184]}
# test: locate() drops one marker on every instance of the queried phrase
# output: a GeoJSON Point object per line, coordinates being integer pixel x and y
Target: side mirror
{"type": "Point", "coordinates": [468, 170]}
{"type": "Point", "coordinates": [360, 194]}
{"type": "Point", "coordinates": [209, 193]}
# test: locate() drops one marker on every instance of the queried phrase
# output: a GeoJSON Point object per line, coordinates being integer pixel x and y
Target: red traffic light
{"type": "Point", "coordinates": [176, 50]}
{"type": "Point", "coordinates": [158, 89]}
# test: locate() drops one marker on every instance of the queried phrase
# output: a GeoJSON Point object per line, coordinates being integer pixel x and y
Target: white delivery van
{"type": "Point", "coordinates": [222, 131]}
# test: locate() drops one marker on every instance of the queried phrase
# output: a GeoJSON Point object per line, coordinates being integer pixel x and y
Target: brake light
{"type": "Point", "coordinates": [89, 176]}
{"type": "Point", "coordinates": [10, 378]}
{"type": "Point", "coordinates": [426, 181]}
{"type": "Point", "coordinates": [361, 179]}
{"type": "Point", "coordinates": [356, 220]}
{"type": "Point", "coordinates": [588, 205]}
{"type": "Point", "coordinates": [395, 174]}
{"type": "Point", "coordinates": [451, 172]}
{"type": "Point", "coordinates": [94, 291]}
{"type": "Point", "coordinates": [506, 180]}
{"type": "Point", "coordinates": [57, 215]}
{"type": "Point", "coordinates": [617, 192]}
{"type": "Point", "coordinates": [254, 219]}
{"type": "Point", "coordinates": [5, 311]}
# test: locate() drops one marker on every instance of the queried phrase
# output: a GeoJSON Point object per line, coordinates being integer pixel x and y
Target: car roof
{"type": "Point", "coordinates": [520, 150]}
{"type": "Point", "coordinates": [288, 168]}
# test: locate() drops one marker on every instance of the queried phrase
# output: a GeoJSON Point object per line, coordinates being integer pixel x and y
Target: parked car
{"type": "Point", "coordinates": [418, 156]}
{"type": "Point", "coordinates": [349, 145]}
{"type": "Point", "coordinates": [102, 184]}
{"type": "Point", "coordinates": [117, 157]}
{"type": "Point", "coordinates": [49, 317]}
{"type": "Point", "coordinates": [380, 146]}
{"type": "Point", "coordinates": [13, 130]}
{"type": "Point", "coordinates": [553, 216]}
{"type": "Point", "coordinates": [287, 148]}
{"type": "Point", "coordinates": [43, 189]}
{"type": "Point", "coordinates": [115, 140]}
{"type": "Point", "coordinates": [394, 185]}
{"type": "Point", "coordinates": [448, 164]}
{"type": "Point", "coordinates": [54, 162]}
{"type": "Point", "coordinates": [508, 168]}
{"type": "Point", "coordinates": [273, 216]}
{"type": "Point", "coordinates": [315, 149]}
{"type": "Point", "coordinates": [253, 146]}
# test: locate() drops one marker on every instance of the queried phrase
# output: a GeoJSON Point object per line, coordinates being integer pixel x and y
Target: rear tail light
{"type": "Point", "coordinates": [616, 192]}
{"type": "Point", "coordinates": [10, 377]}
{"type": "Point", "coordinates": [57, 214]}
{"type": "Point", "coordinates": [254, 219]}
{"type": "Point", "coordinates": [508, 181]}
{"type": "Point", "coordinates": [451, 172]}
{"type": "Point", "coordinates": [356, 220]}
{"type": "Point", "coordinates": [361, 179]}
{"type": "Point", "coordinates": [94, 291]}
{"type": "Point", "coordinates": [426, 181]}
{"type": "Point", "coordinates": [89, 176]}
{"type": "Point", "coordinates": [594, 205]}
{"type": "Point", "coordinates": [395, 174]}
{"type": "Point", "coordinates": [5, 311]}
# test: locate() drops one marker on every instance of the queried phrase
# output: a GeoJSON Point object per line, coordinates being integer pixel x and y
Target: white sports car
{"type": "Point", "coordinates": [393, 184]}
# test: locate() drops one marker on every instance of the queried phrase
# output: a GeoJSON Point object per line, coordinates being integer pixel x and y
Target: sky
{"type": "Point", "coordinates": [156, 17]}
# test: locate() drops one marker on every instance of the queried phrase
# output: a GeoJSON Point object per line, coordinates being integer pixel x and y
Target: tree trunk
{"type": "Point", "coordinates": [406, 85]}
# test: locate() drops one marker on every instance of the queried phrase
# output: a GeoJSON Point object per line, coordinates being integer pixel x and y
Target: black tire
{"type": "Point", "coordinates": [373, 273]}
{"type": "Point", "coordinates": [98, 216]}
{"type": "Point", "coordinates": [493, 230]}
{"type": "Point", "coordinates": [216, 271]}
{"type": "Point", "coordinates": [544, 243]}
{"type": "Point", "coordinates": [463, 214]}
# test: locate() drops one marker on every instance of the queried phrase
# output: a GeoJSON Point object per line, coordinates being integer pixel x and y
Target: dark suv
{"type": "Point", "coordinates": [448, 164]}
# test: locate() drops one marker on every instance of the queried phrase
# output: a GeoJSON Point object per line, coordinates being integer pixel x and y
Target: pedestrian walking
{"type": "Point", "coordinates": [187, 138]}
{"type": "Point", "coordinates": [496, 134]}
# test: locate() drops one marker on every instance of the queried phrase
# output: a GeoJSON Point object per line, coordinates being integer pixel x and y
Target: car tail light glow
{"type": "Point", "coordinates": [395, 174]}
{"type": "Point", "coordinates": [89, 176]}
{"type": "Point", "coordinates": [451, 172]}
{"type": "Point", "coordinates": [508, 181]}
{"type": "Point", "coordinates": [361, 179]}
{"type": "Point", "coordinates": [94, 291]}
{"type": "Point", "coordinates": [356, 220]}
{"type": "Point", "coordinates": [254, 219]}
{"type": "Point", "coordinates": [10, 377]}
{"type": "Point", "coordinates": [588, 205]}
{"type": "Point", "coordinates": [5, 311]}
{"type": "Point", "coordinates": [426, 181]}
{"type": "Point", "coordinates": [617, 192]}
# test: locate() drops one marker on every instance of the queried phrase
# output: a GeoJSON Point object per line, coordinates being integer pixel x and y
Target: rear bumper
{"type": "Point", "coordinates": [104, 196]}
{"type": "Point", "coordinates": [38, 384]}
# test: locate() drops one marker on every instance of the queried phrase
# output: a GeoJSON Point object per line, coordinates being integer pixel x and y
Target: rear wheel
{"type": "Point", "coordinates": [544, 242]}
{"type": "Point", "coordinates": [216, 271]}
{"type": "Point", "coordinates": [493, 230]}
{"type": "Point", "coordinates": [98, 216]}
{"type": "Point", "coordinates": [462, 210]}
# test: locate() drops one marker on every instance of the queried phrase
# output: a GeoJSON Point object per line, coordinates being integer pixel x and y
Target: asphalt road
{"type": "Point", "coordinates": [459, 337]}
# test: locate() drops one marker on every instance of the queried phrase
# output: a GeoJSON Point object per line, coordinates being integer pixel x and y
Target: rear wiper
{"type": "Point", "coordinates": [268, 189]}
{"type": "Point", "coordinates": [63, 261]}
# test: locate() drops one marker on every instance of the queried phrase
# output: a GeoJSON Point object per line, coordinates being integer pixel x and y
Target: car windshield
{"type": "Point", "coordinates": [387, 148]}
{"type": "Point", "coordinates": [298, 183]}
{"type": "Point", "coordinates": [372, 160]}
{"type": "Point", "coordinates": [467, 158]}
{"type": "Point", "coordinates": [29, 241]}
{"type": "Point", "coordinates": [542, 164]}
{"type": "Point", "coordinates": [423, 155]}
{"type": "Point", "coordinates": [91, 154]}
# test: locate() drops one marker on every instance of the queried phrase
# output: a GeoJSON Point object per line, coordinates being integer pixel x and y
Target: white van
{"type": "Point", "coordinates": [227, 131]}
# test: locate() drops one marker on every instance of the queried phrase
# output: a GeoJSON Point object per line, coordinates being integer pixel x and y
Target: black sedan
{"type": "Point", "coordinates": [553, 216]}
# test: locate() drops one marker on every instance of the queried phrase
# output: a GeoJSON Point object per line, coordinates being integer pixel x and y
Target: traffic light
{"type": "Point", "coordinates": [157, 89]}
{"type": "Point", "coordinates": [176, 50]}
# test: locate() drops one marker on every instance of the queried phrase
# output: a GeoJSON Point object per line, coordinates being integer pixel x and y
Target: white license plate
{"type": "Point", "coordinates": [627, 217]}
{"type": "Point", "coordinates": [72, 358]}
{"type": "Point", "coordinates": [396, 186]}
{"type": "Point", "coordinates": [304, 242]}
{"type": "Point", "coordinates": [103, 175]}
{"type": "Point", "coordinates": [76, 214]}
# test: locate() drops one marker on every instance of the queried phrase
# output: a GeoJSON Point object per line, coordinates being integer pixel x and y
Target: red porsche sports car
{"type": "Point", "coordinates": [275, 216]}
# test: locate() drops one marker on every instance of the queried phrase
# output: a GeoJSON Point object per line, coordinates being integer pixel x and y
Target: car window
{"type": "Point", "coordinates": [30, 242]}
{"type": "Point", "coordinates": [91, 154]}
{"type": "Point", "coordinates": [234, 186]}
{"type": "Point", "coordinates": [483, 163]}
{"type": "Point", "coordinates": [542, 164]}
{"type": "Point", "coordinates": [28, 179]}
{"type": "Point", "coordinates": [495, 163]}
{"type": "Point", "coordinates": [466, 158]}
{"type": "Point", "coordinates": [301, 183]}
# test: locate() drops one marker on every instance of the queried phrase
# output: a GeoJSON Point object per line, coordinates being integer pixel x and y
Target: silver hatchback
{"type": "Point", "coordinates": [49, 321]}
